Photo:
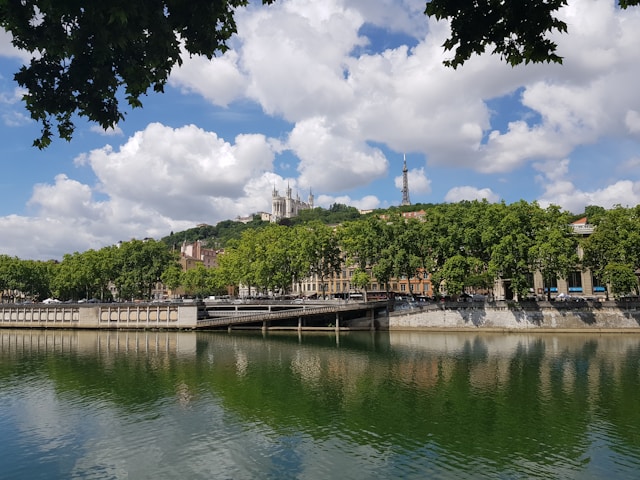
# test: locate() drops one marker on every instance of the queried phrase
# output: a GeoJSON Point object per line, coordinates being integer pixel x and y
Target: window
{"type": "Point", "coordinates": [529, 280]}
{"type": "Point", "coordinates": [403, 288]}
{"type": "Point", "coordinates": [551, 285]}
{"type": "Point", "coordinates": [598, 285]}
{"type": "Point", "coordinates": [575, 282]}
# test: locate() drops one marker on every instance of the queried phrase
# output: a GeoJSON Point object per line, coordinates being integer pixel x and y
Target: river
{"type": "Point", "coordinates": [365, 405]}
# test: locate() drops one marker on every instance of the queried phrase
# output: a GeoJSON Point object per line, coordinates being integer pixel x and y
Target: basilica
{"type": "Point", "coordinates": [287, 206]}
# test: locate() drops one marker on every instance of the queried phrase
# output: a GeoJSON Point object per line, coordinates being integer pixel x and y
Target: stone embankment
{"type": "Point", "coordinates": [104, 316]}
{"type": "Point", "coordinates": [507, 316]}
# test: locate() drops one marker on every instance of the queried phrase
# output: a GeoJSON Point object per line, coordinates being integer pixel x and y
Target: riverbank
{"type": "Point", "coordinates": [510, 316]}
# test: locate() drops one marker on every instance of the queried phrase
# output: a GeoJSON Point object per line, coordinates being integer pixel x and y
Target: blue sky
{"type": "Point", "coordinates": [328, 97]}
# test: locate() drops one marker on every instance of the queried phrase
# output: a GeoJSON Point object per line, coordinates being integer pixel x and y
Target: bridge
{"type": "Point", "coordinates": [316, 316]}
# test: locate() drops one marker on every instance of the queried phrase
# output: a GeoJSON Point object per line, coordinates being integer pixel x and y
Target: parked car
{"type": "Point", "coordinates": [49, 301]}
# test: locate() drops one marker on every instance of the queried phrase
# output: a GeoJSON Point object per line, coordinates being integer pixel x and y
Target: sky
{"type": "Point", "coordinates": [330, 97]}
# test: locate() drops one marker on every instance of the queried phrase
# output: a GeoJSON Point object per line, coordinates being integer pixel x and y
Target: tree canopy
{"type": "Point", "coordinates": [517, 30]}
{"type": "Point", "coordinates": [87, 54]}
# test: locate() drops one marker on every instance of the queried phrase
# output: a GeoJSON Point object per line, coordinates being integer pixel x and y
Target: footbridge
{"type": "Point", "coordinates": [352, 315]}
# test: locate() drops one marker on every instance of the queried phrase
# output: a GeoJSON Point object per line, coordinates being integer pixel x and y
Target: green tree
{"type": "Point", "coordinates": [140, 264]}
{"type": "Point", "coordinates": [554, 252]}
{"type": "Point", "coordinates": [615, 242]}
{"type": "Point", "coordinates": [199, 281]}
{"type": "Point", "coordinates": [516, 30]}
{"type": "Point", "coordinates": [621, 278]}
{"type": "Point", "coordinates": [87, 53]}
{"type": "Point", "coordinates": [28, 278]}
{"type": "Point", "coordinates": [320, 251]}
{"type": "Point", "coordinates": [361, 281]}
{"type": "Point", "coordinates": [511, 255]}
{"type": "Point", "coordinates": [172, 277]}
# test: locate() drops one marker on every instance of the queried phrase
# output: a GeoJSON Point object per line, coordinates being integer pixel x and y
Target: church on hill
{"type": "Point", "coordinates": [287, 206]}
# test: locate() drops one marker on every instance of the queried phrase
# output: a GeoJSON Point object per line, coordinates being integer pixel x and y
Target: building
{"type": "Point", "coordinates": [192, 254]}
{"type": "Point", "coordinates": [579, 283]}
{"type": "Point", "coordinates": [287, 206]}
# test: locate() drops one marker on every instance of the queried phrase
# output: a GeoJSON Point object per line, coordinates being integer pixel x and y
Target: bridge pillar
{"type": "Point", "coordinates": [264, 325]}
{"type": "Point", "coordinates": [299, 323]}
{"type": "Point", "coordinates": [337, 321]}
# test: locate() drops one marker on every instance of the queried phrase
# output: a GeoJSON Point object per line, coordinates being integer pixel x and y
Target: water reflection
{"type": "Point", "coordinates": [361, 405]}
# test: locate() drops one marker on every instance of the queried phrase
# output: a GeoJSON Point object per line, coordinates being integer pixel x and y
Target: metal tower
{"type": "Point", "coordinates": [405, 184]}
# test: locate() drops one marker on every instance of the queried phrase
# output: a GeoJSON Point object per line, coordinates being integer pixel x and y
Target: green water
{"type": "Point", "coordinates": [137, 405]}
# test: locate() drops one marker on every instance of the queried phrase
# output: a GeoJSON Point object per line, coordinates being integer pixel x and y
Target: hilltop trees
{"type": "Point", "coordinates": [461, 246]}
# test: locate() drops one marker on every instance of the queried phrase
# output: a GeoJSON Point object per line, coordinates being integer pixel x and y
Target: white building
{"type": "Point", "coordinates": [287, 206]}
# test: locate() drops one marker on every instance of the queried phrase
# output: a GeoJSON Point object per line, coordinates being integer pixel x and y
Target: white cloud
{"type": "Point", "coordinates": [109, 132]}
{"type": "Point", "coordinates": [219, 80]}
{"type": "Point", "coordinates": [8, 50]}
{"type": "Point", "coordinates": [417, 180]}
{"type": "Point", "coordinates": [367, 202]}
{"type": "Point", "coordinates": [350, 101]}
{"type": "Point", "coordinates": [632, 121]}
{"type": "Point", "coordinates": [331, 162]}
{"type": "Point", "coordinates": [458, 194]}
{"type": "Point", "coordinates": [15, 119]}
{"type": "Point", "coordinates": [560, 190]}
{"type": "Point", "coordinates": [161, 179]}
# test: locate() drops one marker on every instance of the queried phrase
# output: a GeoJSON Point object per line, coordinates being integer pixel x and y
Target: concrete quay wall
{"type": "Point", "coordinates": [102, 316]}
{"type": "Point", "coordinates": [552, 316]}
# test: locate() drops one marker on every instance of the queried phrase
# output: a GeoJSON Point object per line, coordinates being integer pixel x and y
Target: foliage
{"type": "Point", "coordinates": [336, 214]}
{"type": "Point", "coordinates": [320, 251]}
{"type": "Point", "coordinates": [139, 265]}
{"type": "Point", "coordinates": [201, 281]}
{"type": "Point", "coordinates": [361, 280]}
{"type": "Point", "coordinates": [466, 244]}
{"type": "Point", "coordinates": [86, 54]}
{"type": "Point", "coordinates": [30, 278]}
{"type": "Point", "coordinates": [614, 242]}
{"type": "Point", "coordinates": [621, 278]}
{"type": "Point", "coordinates": [554, 251]}
{"type": "Point", "coordinates": [213, 236]}
{"type": "Point", "coordinates": [517, 31]}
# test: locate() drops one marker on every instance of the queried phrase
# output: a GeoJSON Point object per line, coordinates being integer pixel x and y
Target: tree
{"type": "Point", "coordinates": [615, 242]}
{"type": "Point", "coordinates": [140, 264]}
{"type": "Point", "coordinates": [511, 255]}
{"type": "Point", "coordinates": [517, 30]}
{"type": "Point", "coordinates": [86, 54]}
{"type": "Point", "coordinates": [172, 277]}
{"type": "Point", "coordinates": [320, 251]}
{"type": "Point", "coordinates": [621, 278]}
{"type": "Point", "coordinates": [554, 252]}
{"type": "Point", "coordinates": [361, 281]}
{"type": "Point", "coordinates": [199, 281]}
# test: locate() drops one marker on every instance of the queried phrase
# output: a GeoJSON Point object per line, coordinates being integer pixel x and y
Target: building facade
{"type": "Point", "coordinates": [287, 206]}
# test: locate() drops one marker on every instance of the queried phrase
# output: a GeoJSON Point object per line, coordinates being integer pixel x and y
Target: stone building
{"type": "Point", "coordinates": [287, 206]}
